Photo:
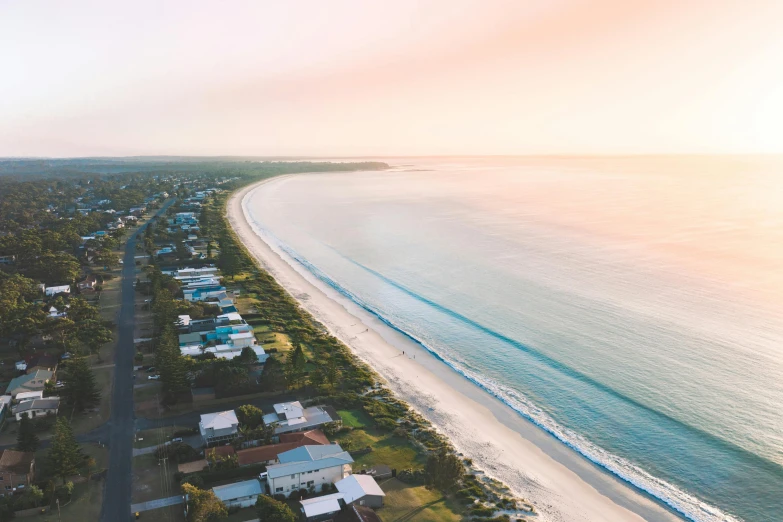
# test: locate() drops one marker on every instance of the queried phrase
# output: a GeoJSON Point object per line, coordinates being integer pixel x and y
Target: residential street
{"type": "Point", "coordinates": [120, 428]}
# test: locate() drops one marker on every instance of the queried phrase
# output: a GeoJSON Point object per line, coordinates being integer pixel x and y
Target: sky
{"type": "Point", "coordinates": [358, 78]}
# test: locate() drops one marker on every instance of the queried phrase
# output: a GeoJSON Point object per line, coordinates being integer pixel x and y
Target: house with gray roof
{"type": "Point", "coordinates": [308, 467]}
{"type": "Point", "coordinates": [290, 417]}
{"type": "Point", "coordinates": [37, 408]}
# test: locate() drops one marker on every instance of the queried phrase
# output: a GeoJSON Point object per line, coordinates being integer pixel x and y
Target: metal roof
{"type": "Point", "coordinates": [247, 488]}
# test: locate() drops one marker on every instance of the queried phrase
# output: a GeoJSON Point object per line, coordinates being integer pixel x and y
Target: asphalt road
{"type": "Point", "coordinates": [120, 428]}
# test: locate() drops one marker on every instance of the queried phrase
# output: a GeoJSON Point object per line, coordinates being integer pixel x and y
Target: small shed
{"type": "Point", "coordinates": [240, 494]}
{"type": "Point", "coordinates": [361, 490]}
{"type": "Point", "coordinates": [322, 508]}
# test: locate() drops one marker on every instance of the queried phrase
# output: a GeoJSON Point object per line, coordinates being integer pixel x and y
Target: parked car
{"type": "Point", "coordinates": [176, 439]}
{"type": "Point", "coordinates": [65, 356]}
{"type": "Point", "coordinates": [60, 384]}
{"type": "Point", "coordinates": [150, 369]}
{"type": "Point", "coordinates": [153, 377]}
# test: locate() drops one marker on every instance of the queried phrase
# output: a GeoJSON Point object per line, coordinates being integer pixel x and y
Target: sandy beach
{"type": "Point", "coordinates": [562, 485]}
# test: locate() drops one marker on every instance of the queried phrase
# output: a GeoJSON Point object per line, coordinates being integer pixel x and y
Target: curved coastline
{"type": "Point", "coordinates": [554, 476]}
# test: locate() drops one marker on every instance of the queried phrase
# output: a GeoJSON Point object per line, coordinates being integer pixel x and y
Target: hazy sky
{"type": "Point", "coordinates": [333, 77]}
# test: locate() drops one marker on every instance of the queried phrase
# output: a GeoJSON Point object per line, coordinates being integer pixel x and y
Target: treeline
{"type": "Point", "coordinates": [337, 369]}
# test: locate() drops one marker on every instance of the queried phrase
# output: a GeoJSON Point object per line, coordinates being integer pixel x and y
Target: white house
{"type": "Point", "coordinates": [218, 427]}
{"type": "Point", "coordinates": [240, 494]}
{"type": "Point", "coordinates": [37, 408]}
{"type": "Point", "coordinates": [54, 290]}
{"type": "Point", "coordinates": [308, 467]}
{"type": "Point", "coordinates": [291, 416]}
{"type": "Point", "coordinates": [361, 490]}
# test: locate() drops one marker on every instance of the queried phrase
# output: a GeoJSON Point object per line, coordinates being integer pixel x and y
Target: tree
{"type": "Point", "coordinates": [107, 258]}
{"type": "Point", "coordinates": [250, 416]}
{"type": "Point", "coordinates": [331, 372]}
{"type": "Point", "coordinates": [80, 392]}
{"type": "Point", "coordinates": [248, 356]}
{"type": "Point", "coordinates": [295, 366]}
{"type": "Point", "coordinates": [94, 334]}
{"type": "Point", "coordinates": [271, 510]}
{"type": "Point", "coordinates": [89, 466]}
{"type": "Point", "coordinates": [27, 440]}
{"type": "Point", "coordinates": [171, 365]}
{"type": "Point", "coordinates": [203, 505]}
{"type": "Point", "coordinates": [65, 455]}
{"type": "Point", "coordinates": [443, 470]}
{"type": "Point", "coordinates": [52, 268]}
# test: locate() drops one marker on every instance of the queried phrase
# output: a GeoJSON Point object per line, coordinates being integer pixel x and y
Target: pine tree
{"type": "Point", "coordinates": [295, 366]}
{"type": "Point", "coordinates": [27, 440]}
{"type": "Point", "coordinates": [81, 392]}
{"type": "Point", "coordinates": [65, 455]}
{"type": "Point", "coordinates": [171, 365]}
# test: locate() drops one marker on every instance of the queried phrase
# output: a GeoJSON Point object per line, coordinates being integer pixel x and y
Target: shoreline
{"type": "Point", "coordinates": [563, 485]}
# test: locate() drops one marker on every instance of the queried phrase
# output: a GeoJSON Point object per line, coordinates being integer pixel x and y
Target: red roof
{"type": "Point", "coordinates": [221, 451]}
{"type": "Point", "coordinates": [288, 441]}
{"type": "Point", "coordinates": [310, 438]}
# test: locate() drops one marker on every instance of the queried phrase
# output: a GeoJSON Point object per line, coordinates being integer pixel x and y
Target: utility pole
{"type": "Point", "coordinates": [58, 511]}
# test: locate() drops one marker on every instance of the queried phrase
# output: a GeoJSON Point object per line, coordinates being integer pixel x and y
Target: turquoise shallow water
{"type": "Point", "coordinates": [632, 307]}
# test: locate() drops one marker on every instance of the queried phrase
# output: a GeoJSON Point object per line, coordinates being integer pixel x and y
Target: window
{"type": "Point", "coordinates": [310, 483]}
{"type": "Point", "coordinates": [278, 490]}
{"type": "Point", "coordinates": [293, 476]}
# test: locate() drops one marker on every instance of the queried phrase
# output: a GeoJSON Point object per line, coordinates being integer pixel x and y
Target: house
{"type": "Point", "coordinates": [7, 260]}
{"type": "Point", "coordinates": [34, 381]}
{"type": "Point", "coordinates": [28, 396]}
{"type": "Point", "coordinates": [240, 494]}
{"type": "Point", "coordinates": [291, 417]}
{"type": "Point", "coordinates": [37, 408]}
{"type": "Point", "coordinates": [268, 454]}
{"type": "Point", "coordinates": [321, 509]}
{"type": "Point", "coordinates": [308, 467]}
{"type": "Point", "coordinates": [54, 313]}
{"type": "Point", "coordinates": [17, 470]}
{"type": "Point", "coordinates": [203, 293]}
{"type": "Point", "coordinates": [88, 285]}
{"type": "Point", "coordinates": [218, 427]}
{"type": "Point", "coordinates": [54, 290]}
{"type": "Point", "coordinates": [361, 490]}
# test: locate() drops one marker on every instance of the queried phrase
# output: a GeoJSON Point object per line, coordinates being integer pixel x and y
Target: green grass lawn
{"type": "Point", "coordinates": [393, 451]}
{"type": "Point", "coordinates": [355, 418]}
{"type": "Point", "coordinates": [405, 503]}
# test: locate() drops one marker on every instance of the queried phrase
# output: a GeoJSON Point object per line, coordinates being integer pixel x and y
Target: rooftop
{"type": "Point", "coordinates": [246, 488]}
{"type": "Point", "coordinates": [16, 461]}
{"type": "Point", "coordinates": [50, 403]}
{"type": "Point", "coordinates": [314, 507]}
{"type": "Point", "coordinates": [354, 487]}
{"type": "Point", "coordinates": [220, 420]}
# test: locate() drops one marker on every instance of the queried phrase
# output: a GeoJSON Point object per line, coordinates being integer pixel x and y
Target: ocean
{"type": "Point", "coordinates": [632, 307]}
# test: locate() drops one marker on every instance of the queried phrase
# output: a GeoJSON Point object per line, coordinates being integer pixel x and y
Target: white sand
{"type": "Point", "coordinates": [562, 485]}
